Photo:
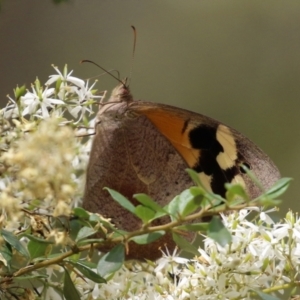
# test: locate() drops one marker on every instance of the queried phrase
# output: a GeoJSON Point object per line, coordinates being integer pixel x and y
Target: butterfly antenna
{"type": "Point", "coordinates": [133, 52]}
{"type": "Point", "coordinates": [106, 71]}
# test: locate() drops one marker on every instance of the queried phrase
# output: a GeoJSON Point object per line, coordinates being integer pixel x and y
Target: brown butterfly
{"type": "Point", "coordinates": [145, 147]}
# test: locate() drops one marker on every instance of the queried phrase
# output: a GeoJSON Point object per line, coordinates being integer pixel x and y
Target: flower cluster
{"type": "Point", "coordinates": [261, 259]}
{"type": "Point", "coordinates": [42, 161]}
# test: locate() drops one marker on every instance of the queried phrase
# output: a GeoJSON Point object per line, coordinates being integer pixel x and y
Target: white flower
{"type": "Point", "coordinates": [168, 259]}
{"type": "Point", "coordinates": [83, 103]}
{"type": "Point", "coordinates": [65, 78]}
{"type": "Point", "coordinates": [11, 110]}
{"type": "Point", "coordinates": [38, 101]}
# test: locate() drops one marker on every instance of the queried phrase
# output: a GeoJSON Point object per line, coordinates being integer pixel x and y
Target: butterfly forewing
{"type": "Point", "coordinates": [213, 149]}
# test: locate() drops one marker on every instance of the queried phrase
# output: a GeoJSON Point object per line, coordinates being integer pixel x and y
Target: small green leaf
{"type": "Point", "coordinates": [75, 225]}
{"type": "Point", "coordinates": [234, 191]}
{"type": "Point", "coordinates": [14, 242]}
{"type": "Point", "coordinates": [218, 232]}
{"type": "Point", "coordinates": [148, 238]}
{"type": "Point", "coordinates": [6, 252]}
{"type": "Point", "coordinates": [37, 239]}
{"type": "Point", "coordinates": [252, 177]}
{"type": "Point", "coordinates": [123, 201]}
{"type": "Point", "coordinates": [111, 261]}
{"type": "Point", "coordinates": [189, 202]}
{"type": "Point", "coordinates": [87, 272]}
{"type": "Point", "coordinates": [37, 249]}
{"type": "Point", "coordinates": [149, 202]}
{"type": "Point", "coordinates": [211, 200]}
{"type": "Point", "coordinates": [70, 292]}
{"type": "Point", "coordinates": [144, 213]}
{"type": "Point", "coordinates": [19, 92]}
{"type": "Point", "coordinates": [279, 188]}
{"type": "Point", "coordinates": [183, 244]}
{"type": "Point", "coordinates": [194, 176]}
{"type": "Point", "coordinates": [85, 232]}
{"type": "Point", "coordinates": [185, 203]}
{"type": "Point", "coordinates": [94, 218]}
{"type": "Point", "coordinates": [81, 213]}
{"type": "Point", "coordinates": [173, 208]}
{"type": "Point", "coordinates": [265, 296]}
{"type": "Point", "coordinates": [194, 227]}
{"type": "Point", "coordinates": [267, 201]}
{"type": "Point", "coordinates": [197, 191]}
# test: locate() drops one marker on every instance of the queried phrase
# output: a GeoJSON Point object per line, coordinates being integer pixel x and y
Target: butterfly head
{"type": "Point", "coordinates": [121, 93]}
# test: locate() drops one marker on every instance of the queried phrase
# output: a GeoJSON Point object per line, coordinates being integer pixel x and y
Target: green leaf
{"type": "Point", "coordinates": [87, 272]}
{"type": "Point", "coordinates": [183, 244]}
{"type": "Point", "coordinates": [265, 296]}
{"type": "Point", "coordinates": [70, 292]}
{"type": "Point", "coordinates": [75, 225]}
{"type": "Point", "coordinates": [19, 92]}
{"type": "Point", "coordinates": [269, 197]}
{"type": "Point", "coordinates": [88, 264]}
{"type": "Point", "coordinates": [144, 213]}
{"type": "Point", "coordinates": [214, 199]}
{"type": "Point", "coordinates": [194, 227]}
{"type": "Point", "coordinates": [81, 213]}
{"type": "Point", "coordinates": [123, 201]}
{"type": "Point", "coordinates": [173, 208]}
{"type": "Point", "coordinates": [194, 176]}
{"type": "Point", "coordinates": [218, 232]}
{"type": "Point", "coordinates": [37, 249]}
{"type": "Point", "coordinates": [111, 261]}
{"type": "Point", "coordinates": [234, 191]}
{"type": "Point", "coordinates": [252, 177]}
{"type": "Point", "coordinates": [37, 239]}
{"type": "Point", "coordinates": [189, 202]}
{"type": "Point", "coordinates": [6, 252]}
{"type": "Point", "coordinates": [185, 203]}
{"type": "Point", "coordinates": [14, 242]}
{"type": "Point", "coordinates": [149, 202]}
{"type": "Point", "coordinates": [279, 188]}
{"type": "Point", "coordinates": [267, 201]}
{"type": "Point", "coordinates": [148, 238]}
{"type": "Point", "coordinates": [85, 232]}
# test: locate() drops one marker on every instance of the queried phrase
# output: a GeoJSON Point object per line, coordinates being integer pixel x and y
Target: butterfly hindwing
{"type": "Point", "coordinates": [130, 156]}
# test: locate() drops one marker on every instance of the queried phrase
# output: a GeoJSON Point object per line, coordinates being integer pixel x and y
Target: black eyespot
{"type": "Point", "coordinates": [246, 165]}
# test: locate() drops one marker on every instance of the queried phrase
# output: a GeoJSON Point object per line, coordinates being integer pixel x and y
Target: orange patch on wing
{"type": "Point", "coordinates": [172, 127]}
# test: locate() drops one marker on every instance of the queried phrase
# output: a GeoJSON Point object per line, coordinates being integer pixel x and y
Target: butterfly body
{"type": "Point", "coordinates": [144, 147]}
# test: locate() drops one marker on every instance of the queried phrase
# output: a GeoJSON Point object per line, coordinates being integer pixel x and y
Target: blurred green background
{"type": "Point", "coordinates": [236, 61]}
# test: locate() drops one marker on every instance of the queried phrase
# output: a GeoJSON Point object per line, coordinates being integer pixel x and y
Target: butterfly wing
{"type": "Point", "coordinates": [211, 148]}
{"type": "Point", "coordinates": [131, 156]}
